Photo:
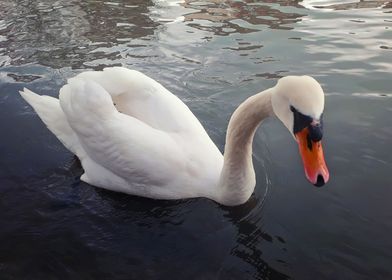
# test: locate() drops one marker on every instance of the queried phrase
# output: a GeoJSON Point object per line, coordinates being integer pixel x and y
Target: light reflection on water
{"type": "Point", "coordinates": [212, 54]}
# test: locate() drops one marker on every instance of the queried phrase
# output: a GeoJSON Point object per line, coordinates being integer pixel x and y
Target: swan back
{"type": "Point", "coordinates": [141, 97]}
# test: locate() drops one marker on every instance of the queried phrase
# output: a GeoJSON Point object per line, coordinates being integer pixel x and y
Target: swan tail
{"type": "Point", "coordinates": [49, 110]}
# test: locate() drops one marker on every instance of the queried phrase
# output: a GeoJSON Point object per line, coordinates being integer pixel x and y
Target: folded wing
{"type": "Point", "coordinates": [122, 144]}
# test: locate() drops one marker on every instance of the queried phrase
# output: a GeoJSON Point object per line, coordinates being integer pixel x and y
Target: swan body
{"type": "Point", "coordinates": [133, 136]}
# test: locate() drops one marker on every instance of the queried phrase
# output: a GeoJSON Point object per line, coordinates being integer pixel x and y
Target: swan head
{"type": "Point", "coordinates": [298, 101]}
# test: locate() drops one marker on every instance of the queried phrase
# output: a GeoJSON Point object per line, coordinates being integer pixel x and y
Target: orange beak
{"type": "Point", "coordinates": [316, 170]}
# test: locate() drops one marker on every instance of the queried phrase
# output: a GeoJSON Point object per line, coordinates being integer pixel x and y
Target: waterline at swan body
{"type": "Point", "coordinates": [133, 136]}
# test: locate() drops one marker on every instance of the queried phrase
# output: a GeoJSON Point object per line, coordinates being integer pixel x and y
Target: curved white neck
{"type": "Point", "coordinates": [237, 180]}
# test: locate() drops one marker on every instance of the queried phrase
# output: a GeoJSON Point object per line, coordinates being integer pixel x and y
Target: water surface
{"type": "Point", "coordinates": [213, 55]}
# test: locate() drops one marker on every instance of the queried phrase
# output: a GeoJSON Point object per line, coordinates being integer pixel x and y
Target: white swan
{"type": "Point", "coordinates": [133, 136]}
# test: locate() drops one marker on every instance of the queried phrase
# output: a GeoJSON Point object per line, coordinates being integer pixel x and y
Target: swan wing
{"type": "Point", "coordinates": [131, 135]}
{"type": "Point", "coordinates": [125, 147]}
{"type": "Point", "coordinates": [143, 98]}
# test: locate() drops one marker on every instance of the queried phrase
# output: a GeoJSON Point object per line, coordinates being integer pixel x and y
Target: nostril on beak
{"type": "Point", "coordinates": [320, 181]}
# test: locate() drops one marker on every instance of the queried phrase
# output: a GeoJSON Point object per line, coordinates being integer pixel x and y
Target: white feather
{"type": "Point", "coordinates": [155, 148]}
{"type": "Point", "coordinates": [133, 136]}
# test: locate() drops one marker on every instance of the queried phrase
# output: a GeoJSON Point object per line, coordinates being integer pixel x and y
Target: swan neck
{"type": "Point", "coordinates": [237, 179]}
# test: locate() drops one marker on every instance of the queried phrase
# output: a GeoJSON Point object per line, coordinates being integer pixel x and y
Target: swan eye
{"type": "Point", "coordinates": [302, 121]}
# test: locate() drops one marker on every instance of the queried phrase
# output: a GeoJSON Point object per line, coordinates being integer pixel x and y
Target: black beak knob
{"type": "Point", "coordinates": [315, 131]}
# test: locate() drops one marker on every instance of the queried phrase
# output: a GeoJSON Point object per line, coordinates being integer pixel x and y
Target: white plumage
{"type": "Point", "coordinates": [133, 136]}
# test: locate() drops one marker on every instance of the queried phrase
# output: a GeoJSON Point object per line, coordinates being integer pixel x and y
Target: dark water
{"type": "Point", "coordinates": [212, 54]}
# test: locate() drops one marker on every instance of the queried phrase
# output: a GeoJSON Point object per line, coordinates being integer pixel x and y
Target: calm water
{"type": "Point", "coordinates": [212, 54]}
